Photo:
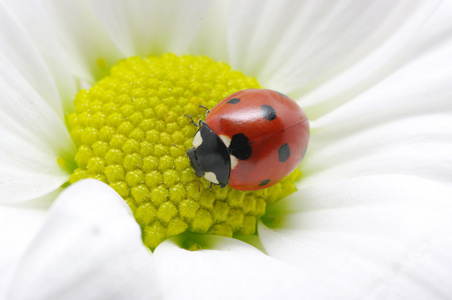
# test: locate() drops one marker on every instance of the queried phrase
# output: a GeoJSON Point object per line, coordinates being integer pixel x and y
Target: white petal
{"type": "Point", "coordinates": [18, 49]}
{"type": "Point", "coordinates": [423, 70]}
{"type": "Point", "coordinates": [320, 46]}
{"type": "Point", "coordinates": [412, 140]}
{"type": "Point", "coordinates": [33, 138]}
{"type": "Point", "coordinates": [32, 40]}
{"type": "Point", "coordinates": [372, 60]}
{"type": "Point", "coordinates": [18, 226]}
{"type": "Point", "coordinates": [211, 39]}
{"type": "Point", "coordinates": [228, 269]}
{"type": "Point", "coordinates": [89, 248]}
{"type": "Point", "coordinates": [70, 32]}
{"type": "Point", "coordinates": [19, 222]}
{"type": "Point", "coordinates": [84, 38]}
{"type": "Point", "coordinates": [151, 27]}
{"type": "Point", "coordinates": [374, 237]}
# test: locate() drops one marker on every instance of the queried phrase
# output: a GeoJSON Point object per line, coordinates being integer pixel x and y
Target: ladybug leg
{"type": "Point", "coordinates": [191, 120]}
{"type": "Point", "coordinates": [207, 110]}
{"type": "Point", "coordinates": [211, 185]}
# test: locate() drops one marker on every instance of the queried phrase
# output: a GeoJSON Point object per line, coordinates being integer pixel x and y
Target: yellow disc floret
{"type": "Point", "coordinates": [132, 133]}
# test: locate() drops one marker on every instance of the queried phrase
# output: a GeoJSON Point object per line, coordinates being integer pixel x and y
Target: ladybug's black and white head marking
{"type": "Point", "coordinates": [209, 156]}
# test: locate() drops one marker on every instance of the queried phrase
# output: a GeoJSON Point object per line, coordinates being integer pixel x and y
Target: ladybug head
{"type": "Point", "coordinates": [209, 156]}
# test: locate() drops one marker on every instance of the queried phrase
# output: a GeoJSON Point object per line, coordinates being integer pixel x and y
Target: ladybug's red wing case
{"type": "Point", "coordinates": [272, 159]}
{"type": "Point", "coordinates": [256, 112]}
{"type": "Point", "coordinates": [260, 128]}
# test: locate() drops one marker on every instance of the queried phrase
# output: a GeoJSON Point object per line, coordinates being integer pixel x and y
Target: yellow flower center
{"type": "Point", "coordinates": [131, 132]}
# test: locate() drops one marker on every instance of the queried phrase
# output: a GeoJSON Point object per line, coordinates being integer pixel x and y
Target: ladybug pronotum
{"type": "Point", "coordinates": [251, 140]}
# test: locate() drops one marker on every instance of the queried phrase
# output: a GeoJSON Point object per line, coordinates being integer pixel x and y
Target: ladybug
{"type": "Point", "coordinates": [251, 139]}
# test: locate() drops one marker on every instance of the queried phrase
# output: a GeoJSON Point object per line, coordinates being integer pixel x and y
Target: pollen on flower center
{"type": "Point", "coordinates": [132, 133]}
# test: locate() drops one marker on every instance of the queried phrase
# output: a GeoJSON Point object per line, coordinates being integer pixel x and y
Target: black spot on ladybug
{"type": "Point", "coordinates": [268, 112]}
{"type": "Point", "coordinates": [281, 94]}
{"type": "Point", "coordinates": [265, 182]}
{"type": "Point", "coordinates": [233, 101]}
{"type": "Point", "coordinates": [239, 146]}
{"type": "Point", "coordinates": [284, 153]}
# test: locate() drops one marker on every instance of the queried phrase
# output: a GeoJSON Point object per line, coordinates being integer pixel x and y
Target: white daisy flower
{"type": "Point", "coordinates": [372, 216]}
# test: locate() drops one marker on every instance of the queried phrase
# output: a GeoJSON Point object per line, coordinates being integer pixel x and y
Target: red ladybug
{"type": "Point", "coordinates": [251, 139]}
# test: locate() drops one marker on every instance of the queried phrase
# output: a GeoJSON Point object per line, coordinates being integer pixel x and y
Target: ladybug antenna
{"type": "Point", "coordinates": [207, 110]}
{"type": "Point", "coordinates": [180, 149]}
{"type": "Point", "coordinates": [191, 120]}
